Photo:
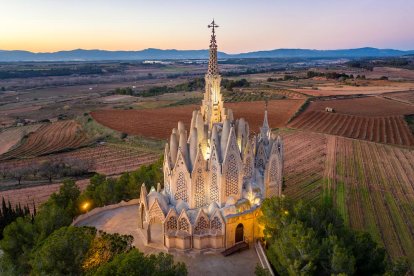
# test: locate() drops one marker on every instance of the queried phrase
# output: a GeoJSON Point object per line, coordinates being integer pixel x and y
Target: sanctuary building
{"type": "Point", "coordinates": [216, 174]}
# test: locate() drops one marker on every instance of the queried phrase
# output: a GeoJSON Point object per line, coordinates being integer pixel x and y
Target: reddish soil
{"type": "Point", "coordinates": [367, 106]}
{"type": "Point", "coordinates": [384, 129]}
{"type": "Point", "coordinates": [159, 122]}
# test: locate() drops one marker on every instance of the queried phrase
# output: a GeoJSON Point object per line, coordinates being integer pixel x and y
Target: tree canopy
{"type": "Point", "coordinates": [136, 263]}
{"type": "Point", "coordinates": [313, 240]}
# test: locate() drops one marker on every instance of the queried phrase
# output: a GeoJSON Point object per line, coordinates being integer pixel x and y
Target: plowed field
{"type": "Point", "coordinates": [367, 106]}
{"type": "Point", "coordinates": [159, 122]}
{"type": "Point", "coordinates": [50, 138]}
{"type": "Point", "coordinates": [12, 136]}
{"type": "Point", "coordinates": [386, 129]}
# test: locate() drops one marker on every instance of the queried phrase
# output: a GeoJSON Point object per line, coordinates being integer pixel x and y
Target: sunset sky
{"type": "Point", "coordinates": [52, 25]}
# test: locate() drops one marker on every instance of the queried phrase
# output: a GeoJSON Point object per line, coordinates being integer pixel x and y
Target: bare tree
{"type": "Point", "coordinates": [18, 173]}
{"type": "Point", "coordinates": [50, 169]}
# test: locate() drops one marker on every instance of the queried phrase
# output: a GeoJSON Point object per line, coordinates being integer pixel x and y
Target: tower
{"type": "Point", "coordinates": [212, 105]}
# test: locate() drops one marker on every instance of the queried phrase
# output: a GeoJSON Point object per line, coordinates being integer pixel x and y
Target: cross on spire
{"type": "Point", "coordinates": [213, 25]}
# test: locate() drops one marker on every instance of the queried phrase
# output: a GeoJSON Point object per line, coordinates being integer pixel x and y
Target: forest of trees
{"type": "Point", "coordinates": [311, 239]}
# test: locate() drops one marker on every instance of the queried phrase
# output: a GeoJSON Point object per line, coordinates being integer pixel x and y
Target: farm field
{"type": "Point", "coordinates": [366, 87]}
{"type": "Point", "coordinates": [406, 97]}
{"type": "Point", "coordinates": [49, 138]}
{"type": "Point", "coordinates": [373, 188]}
{"type": "Point", "coordinates": [372, 184]}
{"type": "Point", "coordinates": [366, 106]}
{"type": "Point", "coordinates": [158, 122]}
{"type": "Point", "coordinates": [108, 159]}
{"type": "Point", "coordinates": [12, 136]}
{"type": "Point", "coordinates": [36, 195]}
{"type": "Point", "coordinates": [384, 129]}
{"type": "Point", "coordinates": [304, 164]}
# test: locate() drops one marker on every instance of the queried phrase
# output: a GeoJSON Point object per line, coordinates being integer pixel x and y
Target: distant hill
{"type": "Point", "coordinates": [95, 55]}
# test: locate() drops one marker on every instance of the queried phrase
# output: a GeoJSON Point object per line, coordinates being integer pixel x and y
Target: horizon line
{"type": "Point", "coordinates": [206, 49]}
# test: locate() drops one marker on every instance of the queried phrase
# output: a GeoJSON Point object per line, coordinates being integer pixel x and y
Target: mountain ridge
{"type": "Point", "coordinates": [154, 53]}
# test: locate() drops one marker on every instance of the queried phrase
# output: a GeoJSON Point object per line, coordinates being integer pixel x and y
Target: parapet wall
{"type": "Point", "coordinates": [104, 208]}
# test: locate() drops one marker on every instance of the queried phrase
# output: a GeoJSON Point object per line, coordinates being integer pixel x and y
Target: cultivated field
{"type": "Point", "coordinates": [305, 155]}
{"type": "Point", "coordinates": [12, 136]}
{"type": "Point", "coordinates": [159, 122]}
{"type": "Point", "coordinates": [385, 129]}
{"type": "Point", "coordinates": [373, 188]}
{"type": "Point", "coordinates": [366, 106]}
{"type": "Point", "coordinates": [372, 184]}
{"type": "Point", "coordinates": [49, 138]}
{"type": "Point", "coordinates": [405, 97]}
{"type": "Point", "coordinates": [319, 87]}
{"type": "Point", "coordinates": [108, 159]}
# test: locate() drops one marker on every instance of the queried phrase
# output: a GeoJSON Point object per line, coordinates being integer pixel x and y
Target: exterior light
{"type": "Point", "coordinates": [286, 212]}
{"type": "Point", "coordinates": [85, 206]}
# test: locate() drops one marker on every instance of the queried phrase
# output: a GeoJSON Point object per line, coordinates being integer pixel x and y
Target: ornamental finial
{"type": "Point", "coordinates": [213, 25]}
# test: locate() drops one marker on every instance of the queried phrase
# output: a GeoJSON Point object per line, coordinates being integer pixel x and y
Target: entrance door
{"type": "Point", "coordinates": [239, 233]}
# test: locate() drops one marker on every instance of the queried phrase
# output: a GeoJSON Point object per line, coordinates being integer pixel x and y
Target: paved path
{"type": "Point", "coordinates": [124, 220]}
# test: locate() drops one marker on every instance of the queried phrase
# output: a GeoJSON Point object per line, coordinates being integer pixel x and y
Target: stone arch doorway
{"type": "Point", "coordinates": [155, 231]}
{"type": "Point", "coordinates": [239, 233]}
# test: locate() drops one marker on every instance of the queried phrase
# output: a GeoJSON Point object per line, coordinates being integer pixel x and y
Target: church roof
{"type": "Point", "coordinates": [162, 201]}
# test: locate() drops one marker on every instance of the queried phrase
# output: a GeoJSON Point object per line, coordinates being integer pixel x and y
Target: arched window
{"type": "Point", "coordinates": [200, 198]}
{"type": "Point", "coordinates": [216, 224]}
{"type": "Point", "coordinates": [232, 176]}
{"type": "Point", "coordinates": [181, 192]}
{"type": "Point", "coordinates": [248, 172]}
{"type": "Point", "coordinates": [201, 226]}
{"type": "Point", "coordinates": [172, 223]}
{"type": "Point", "coordinates": [273, 171]}
{"type": "Point", "coordinates": [184, 225]}
{"type": "Point", "coordinates": [214, 191]}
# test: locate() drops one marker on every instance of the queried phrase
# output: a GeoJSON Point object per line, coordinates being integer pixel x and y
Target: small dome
{"type": "Point", "coordinates": [181, 205]}
{"type": "Point", "coordinates": [230, 201]}
{"type": "Point", "coordinates": [161, 200]}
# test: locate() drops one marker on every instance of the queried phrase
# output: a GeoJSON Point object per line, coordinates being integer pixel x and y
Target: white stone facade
{"type": "Point", "coordinates": [213, 171]}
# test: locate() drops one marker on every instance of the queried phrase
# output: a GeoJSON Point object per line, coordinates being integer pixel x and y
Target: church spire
{"type": "Point", "coordinates": [265, 129]}
{"type": "Point", "coordinates": [212, 104]}
{"type": "Point", "coordinates": [212, 62]}
{"type": "Point", "coordinates": [265, 120]}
